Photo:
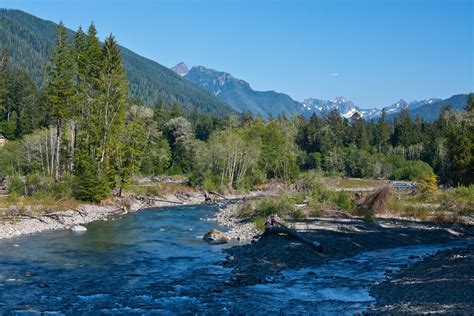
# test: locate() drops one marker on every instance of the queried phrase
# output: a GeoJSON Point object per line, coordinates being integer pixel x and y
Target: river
{"type": "Point", "coordinates": [155, 261]}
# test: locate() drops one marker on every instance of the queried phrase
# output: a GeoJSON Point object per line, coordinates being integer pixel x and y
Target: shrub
{"type": "Point", "coordinates": [298, 214]}
{"type": "Point", "coordinates": [369, 215]}
{"type": "Point", "coordinates": [465, 192]}
{"type": "Point", "coordinates": [307, 181]}
{"type": "Point", "coordinates": [15, 186]}
{"type": "Point", "coordinates": [343, 201]}
{"type": "Point", "coordinates": [90, 187]}
{"type": "Point", "coordinates": [210, 184]}
{"type": "Point", "coordinates": [279, 206]}
{"type": "Point", "coordinates": [260, 222]}
{"type": "Point", "coordinates": [409, 169]}
{"type": "Point", "coordinates": [320, 193]}
{"type": "Point", "coordinates": [428, 183]}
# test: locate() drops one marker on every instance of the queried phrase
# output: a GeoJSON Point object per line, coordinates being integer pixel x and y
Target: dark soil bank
{"type": "Point", "coordinates": [442, 283]}
{"type": "Point", "coordinates": [261, 261]}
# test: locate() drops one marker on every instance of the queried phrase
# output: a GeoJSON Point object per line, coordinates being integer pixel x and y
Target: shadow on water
{"type": "Point", "coordinates": [156, 262]}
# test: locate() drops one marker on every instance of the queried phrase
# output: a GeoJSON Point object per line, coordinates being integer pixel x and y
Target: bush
{"type": "Point", "coordinates": [90, 187]}
{"type": "Point", "coordinates": [279, 206]}
{"type": "Point", "coordinates": [369, 215]}
{"type": "Point", "coordinates": [409, 170]}
{"type": "Point", "coordinates": [465, 192]}
{"type": "Point", "coordinates": [428, 184]}
{"type": "Point", "coordinates": [260, 222]}
{"type": "Point", "coordinates": [298, 214]}
{"type": "Point", "coordinates": [343, 201]}
{"type": "Point", "coordinates": [15, 186]}
{"type": "Point", "coordinates": [307, 181]}
{"type": "Point", "coordinates": [320, 193]}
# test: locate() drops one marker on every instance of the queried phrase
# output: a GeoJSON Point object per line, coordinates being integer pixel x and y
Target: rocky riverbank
{"type": "Point", "coordinates": [239, 230]}
{"type": "Point", "coordinates": [439, 284]}
{"type": "Point", "coordinates": [29, 223]}
{"type": "Point", "coordinates": [340, 238]}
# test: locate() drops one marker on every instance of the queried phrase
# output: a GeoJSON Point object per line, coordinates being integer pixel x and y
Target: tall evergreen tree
{"type": "Point", "coordinates": [60, 89]}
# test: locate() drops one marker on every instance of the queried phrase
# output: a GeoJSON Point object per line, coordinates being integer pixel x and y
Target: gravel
{"type": "Point", "coordinates": [442, 283]}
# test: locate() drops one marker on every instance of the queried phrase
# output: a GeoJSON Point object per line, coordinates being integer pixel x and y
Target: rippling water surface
{"type": "Point", "coordinates": [155, 261]}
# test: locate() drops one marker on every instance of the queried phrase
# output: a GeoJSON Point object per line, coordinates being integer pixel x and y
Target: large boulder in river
{"type": "Point", "coordinates": [78, 228]}
{"type": "Point", "coordinates": [215, 236]}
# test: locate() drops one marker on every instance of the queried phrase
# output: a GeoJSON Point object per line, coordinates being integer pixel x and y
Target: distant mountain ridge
{"type": "Point", "coordinates": [30, 39]}
{"type": "Point", "coordinates": [238, 93]}
{"type": "Point", "coordinates": [243, 98]}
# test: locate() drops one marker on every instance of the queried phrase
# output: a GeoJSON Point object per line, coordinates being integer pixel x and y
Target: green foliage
{"type": "Point", "coordinates": [465, 192]}
{"type": "Point", "coordinates": [369, 215]}
{"type": "Point", "coordinates": [260, 222]}
{"type": "Point", "coordinates": [408, 170]}
{"type": "Point", "coordinates": [88, 185]}
{"type": "Point", "coordinates": [16, 186]}
{"type": "Point", "coordinates": [428, 183]}
{"type": "Point", "coordinates": [343, 201]}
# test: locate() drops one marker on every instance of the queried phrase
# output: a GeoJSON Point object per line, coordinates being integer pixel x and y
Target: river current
{"type": "Point", "coordinates": [155, 262]}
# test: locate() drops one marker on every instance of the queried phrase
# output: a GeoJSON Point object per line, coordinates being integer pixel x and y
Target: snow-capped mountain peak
{"type": "Point", "coordinates": [347, 109]}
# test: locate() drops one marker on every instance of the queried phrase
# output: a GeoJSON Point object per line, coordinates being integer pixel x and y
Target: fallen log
{"type": "Point", "coordinates": [34, 217]}
{"type": "Point", "coordinates": [82, 213]}
{"type": "Point", "coordinates": [275, 226]}
{"type": "Point", "coordinates": [160, 200]}
{"type": "Point", "coordinates": [218, 194]}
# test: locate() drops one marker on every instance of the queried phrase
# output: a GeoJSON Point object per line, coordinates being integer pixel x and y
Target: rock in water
{"type": "Point", "coordinates": [215, 236]}
{"type": "Point", "coordinates": [78, 228]}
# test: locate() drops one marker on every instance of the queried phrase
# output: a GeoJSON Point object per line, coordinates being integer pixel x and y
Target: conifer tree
{"type": "Point", "coordinates": [60, 90]}
{"type": "Point", "coordinates": [110, 115]}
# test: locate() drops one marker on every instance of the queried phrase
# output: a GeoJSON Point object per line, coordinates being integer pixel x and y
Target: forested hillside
{"type": "Point", "coordinates": [241, 96]}
{"type": "Point", "coordinates": [29, 39]}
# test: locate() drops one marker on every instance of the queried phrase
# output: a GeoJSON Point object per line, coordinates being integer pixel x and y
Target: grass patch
{"type": "Point", "coordinates": [260, 222]}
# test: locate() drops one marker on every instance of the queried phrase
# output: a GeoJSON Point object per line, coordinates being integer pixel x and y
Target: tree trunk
{"type": "Point", "coordinates": [274, 225]}
{"type": "Point", "coordinates": [57, 151]}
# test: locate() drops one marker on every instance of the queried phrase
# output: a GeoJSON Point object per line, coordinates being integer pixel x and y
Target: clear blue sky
{"type": "Point", "coordinates": [372, 52]}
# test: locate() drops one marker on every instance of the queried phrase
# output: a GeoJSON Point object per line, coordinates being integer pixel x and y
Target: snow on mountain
{"type": "Point", "coordinates": [347, 108]}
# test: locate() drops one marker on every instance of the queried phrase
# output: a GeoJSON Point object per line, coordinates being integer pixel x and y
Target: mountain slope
{"type": "Point", "coordinates": [29, 41]}
{"type": "Point", "coordinates": [240, 95]}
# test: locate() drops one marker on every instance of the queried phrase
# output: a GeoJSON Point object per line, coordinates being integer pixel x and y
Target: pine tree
{"type": "Point", "coordinates": [110, 114]}
{"type": "Point", "coordinates": [382, 134]}
{"type": "Point", "coordinates": [60, 89]}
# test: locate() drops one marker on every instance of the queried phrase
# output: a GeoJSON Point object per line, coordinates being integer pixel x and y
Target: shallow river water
{"type": "Point", "coordinates": [155, 262]}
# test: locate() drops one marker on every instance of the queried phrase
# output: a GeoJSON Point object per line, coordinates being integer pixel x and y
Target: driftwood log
{"type": "Point", "coordinates": [33, 217]}
{"type": "Point", "coordinates": [144, 199]}
{"type": "Point", "coordinates": [275, 225]}
{"type": "Point", "coordinates": [218, 194]}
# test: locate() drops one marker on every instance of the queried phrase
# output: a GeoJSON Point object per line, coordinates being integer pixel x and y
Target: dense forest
{"type": "Point", "coordinates": [82, 135]}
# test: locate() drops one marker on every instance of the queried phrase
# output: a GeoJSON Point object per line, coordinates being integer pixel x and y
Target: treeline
{"type": "Point", "coordinates": [82, 135]}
